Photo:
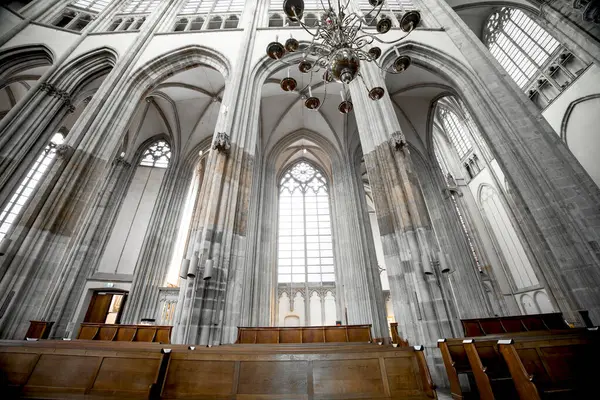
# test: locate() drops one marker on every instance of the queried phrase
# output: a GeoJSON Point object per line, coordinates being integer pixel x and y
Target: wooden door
{"type": "Point", "coordinates": [98, 308]}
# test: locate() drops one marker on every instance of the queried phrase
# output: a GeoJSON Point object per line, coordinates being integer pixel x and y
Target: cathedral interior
{"type": "Point", "coordinates": [207, 165]}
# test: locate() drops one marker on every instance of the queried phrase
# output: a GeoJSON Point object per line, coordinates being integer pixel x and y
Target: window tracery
{"type": "Point", "coordinates": [305, 251]}
{"type": "Point", "coordinates": [455, 131]}
{"type": "Point", "coordinates": [27, 187]}
{"type": "Point", "coordinates": [157, 155]}
{"type": "Point", "coordinates": [534, 59]}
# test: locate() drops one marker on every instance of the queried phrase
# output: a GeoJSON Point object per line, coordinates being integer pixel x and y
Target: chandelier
{"type": "Point", "coordinates": [339, 44]}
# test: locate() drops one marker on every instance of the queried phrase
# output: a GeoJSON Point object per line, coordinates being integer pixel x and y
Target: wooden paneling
{"type": "Point", "coordinates": [193, 378]}
{"type": "Point", "coordinates": [337, 377]}
{"type": "Point", "coordinates": [273, 377]}
{"type": "Point", "coordinates": [125, 333]}
{"type": "Point", "coordinates": [308, 334]}
{"type": "Point", "coordinates": [104, 369]}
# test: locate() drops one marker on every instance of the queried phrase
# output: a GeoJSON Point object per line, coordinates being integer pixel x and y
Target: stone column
{"type": "Point", "coordinates": [54, 250]}
{"type": "Point", "coordinates": [407, 237]}
{"type": "Point", "coordinates": [359, 284]}
{"type": "Point", "coordinates": [211, 309]}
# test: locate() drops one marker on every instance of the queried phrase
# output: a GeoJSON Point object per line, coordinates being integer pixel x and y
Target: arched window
{"type": "Point", "coordinates": [157, 155]}
{"type": "Point", "coordinates": [181, 24]}
{"type": "Point", "coordinates": [138, 24]}
{"type": "Point", "coordinates": [65, 18]}
{"type": "Point", "coordinates": [519, 44]}
{"type": "Point", "coordinates": [197, 24]}
{"type": "Point", "coordinates": [305, 251]}
{"type": "Point", "coordinates": [27, 186]}
{"type": "Point", "coordinates": [215, 23]}
{"type": "Point", "coordinates": [231, 22]}
{"type": "Point", "coordinates": [127, 24]}
{"type": "Point", "coordinates": [275, 21]}
{"type": "Point", "coordinates": [115, 24]}
{"type": "Point", "coordinates": [456, 131]}
{"type": "Point", "coordinates": [310, 19]}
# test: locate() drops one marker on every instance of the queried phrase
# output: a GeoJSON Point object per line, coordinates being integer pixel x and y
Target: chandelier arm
{"type": "Point", "coordinates": [383, 41]}
{"type": "Point", "coordinates": [363, 81]}
{"type": "Point", "coordinates": [376, 15]}
{"type": "Point", "coordinates": [304, 26]}
{"type": "Point", "coordinates": [324, 95]}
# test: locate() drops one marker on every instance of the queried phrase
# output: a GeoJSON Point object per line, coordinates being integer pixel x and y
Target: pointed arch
{"type": "Point", "coordinates": [14, 60]}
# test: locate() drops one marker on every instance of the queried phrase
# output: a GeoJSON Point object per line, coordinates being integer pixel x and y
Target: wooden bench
{"type": "Point", "coordinates": [128, 333]}
{"type": "Point", "coordinates": [96, 369]}
{"type": "Point", "coordinates": [304, 334]}
{"type": "Point", "coordinates": [513, 324]}
{"type": "Point", "coordinates": [480, 358]}
{"type": "Point", "coordinates": [553, 367]}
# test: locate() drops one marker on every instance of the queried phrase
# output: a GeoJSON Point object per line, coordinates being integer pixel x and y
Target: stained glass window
{"type": "Point", "coordinates": [157, 155]}
{"type": "Point", "coordinates": [305, 252]}
{"type": "Point", "coordinates": [26, 188]}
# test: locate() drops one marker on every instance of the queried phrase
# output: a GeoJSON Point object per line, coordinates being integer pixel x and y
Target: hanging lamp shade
{"type": "Point", "coordinates": [208, 270]}
{"type": "Point", "coordinates": [4, 245]}
{"type": "Point", "coordinates": [192, 267]}
{"type": "Point", "coordinates": [293, 9]}
{"type": "Point", "coordinates": [185, 266]}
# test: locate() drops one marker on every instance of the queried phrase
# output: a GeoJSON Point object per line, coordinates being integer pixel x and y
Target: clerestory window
{"type": "Point", "coordinates": [27, 187]}
{"type": "Point", "coordinates": [456, 131]}
{"type": "Point", "coordinates": [92, 5]}
{"type": "Point", "coordinates": [157, 155]}
{"type": "Point", "coordinates": [305, 252]}
{"type": "Point", "coordinates": [212, 6]}
{"type": "Point", "coordinates": [519, 44]}
{"type": "Point", "coordinates": [140, 6]}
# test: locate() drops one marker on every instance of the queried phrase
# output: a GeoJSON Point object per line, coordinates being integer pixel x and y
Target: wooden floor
{"type": "Point", "coordinates": [95, 369]}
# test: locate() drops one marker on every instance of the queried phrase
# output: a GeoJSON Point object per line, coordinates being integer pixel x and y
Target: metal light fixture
{"type": "Point", "coordinates": [208, 270]}
{"type": "Point", "coordinates": [185, 266]}
{"type": "Point", "coordinates": [193, 265]}
{"type": "Point", "coordinates": [339, 45]}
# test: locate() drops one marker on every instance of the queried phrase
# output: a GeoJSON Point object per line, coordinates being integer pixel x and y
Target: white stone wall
{"type": "Point", "coordinates": [123, 247]}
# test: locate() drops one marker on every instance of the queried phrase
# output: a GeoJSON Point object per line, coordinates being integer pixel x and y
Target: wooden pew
{"type": "Point", "coordinates": [457, 360]}
{"type": "Point", "coordinates": [553, 367]}
{"type": "Point", "coordinates": [128, 333]}
{"type": "Point", "coordinates": [513, 324]}
{"type": "Point", "coordinates": [304, 334]}
{"type": "Point", "coordinates": [97, 369]}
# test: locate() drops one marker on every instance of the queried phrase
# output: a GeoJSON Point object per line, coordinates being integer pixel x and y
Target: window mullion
{"type": "Point", "coordinates": [305, 235]}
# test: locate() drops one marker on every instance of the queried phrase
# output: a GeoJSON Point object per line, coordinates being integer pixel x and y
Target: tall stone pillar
{"type": "Point", "coordinates": [408, 240]}
{"type": "Point", "coordinates": [49, 263]}
{"type": "Point", "coordinates": [359, 283]}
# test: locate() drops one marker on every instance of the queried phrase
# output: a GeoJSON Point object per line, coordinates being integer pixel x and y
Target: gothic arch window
{"type": "Point", "coordinates": [519, 44]}
{"type": "Point", "coordinates": [305, 251]}
{"type": "Point", "coordinates": [27, 187]}
{"type": "Point", "coordinates": [158, 154]}
{"type": "Point", "coordinates": [455, 130]}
